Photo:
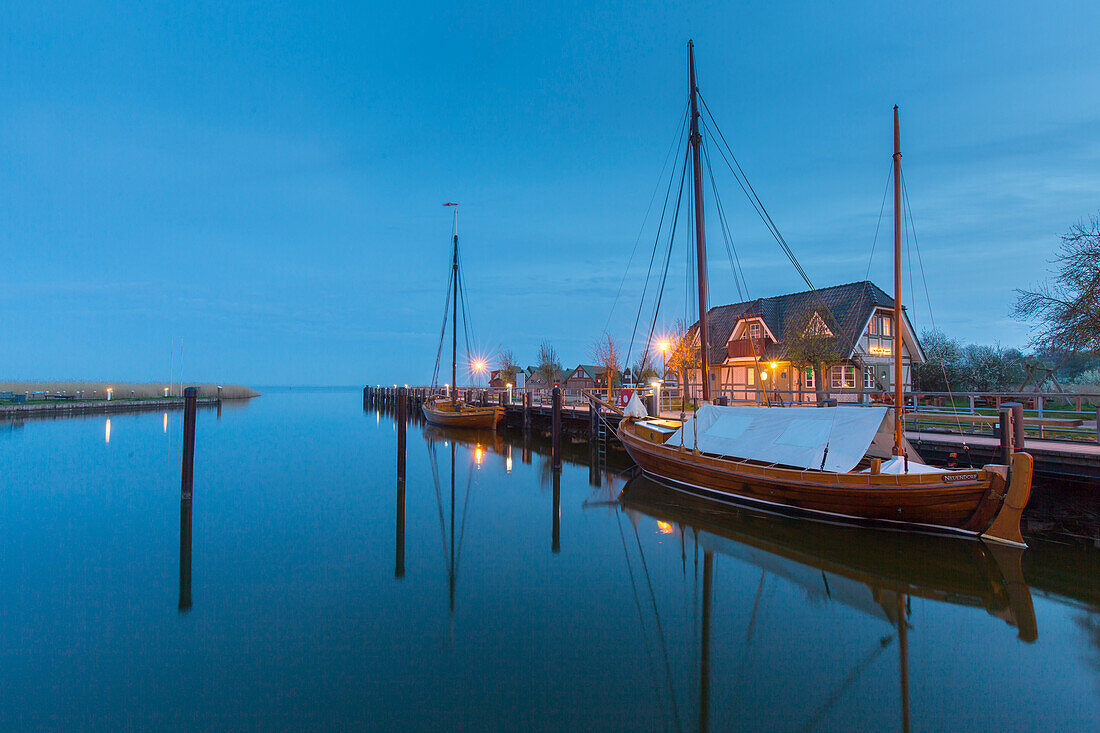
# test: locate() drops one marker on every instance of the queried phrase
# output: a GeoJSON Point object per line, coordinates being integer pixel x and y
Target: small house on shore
{"type": "Point", "coordinates": [586, 376]}
{"type": "Point", "coordinates": [797, 347]}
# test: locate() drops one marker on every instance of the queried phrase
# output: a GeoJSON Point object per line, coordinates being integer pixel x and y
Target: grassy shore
{"type": "Point", "coordinates": [124, 390]}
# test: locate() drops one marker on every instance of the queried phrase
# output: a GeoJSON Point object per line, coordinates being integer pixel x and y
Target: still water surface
{"type": "Point", "coordinates": [520, 599]}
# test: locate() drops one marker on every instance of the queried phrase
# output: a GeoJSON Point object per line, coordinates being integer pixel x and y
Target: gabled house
{"type": "Point", "coordinates": [586, 376]}
{"type": "Point", "coordinates": [534, 380]}
{"type": "Point", "coordinates": [839, 340]}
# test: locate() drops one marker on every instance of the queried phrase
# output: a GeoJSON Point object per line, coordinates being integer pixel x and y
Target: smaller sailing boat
{"type": "Point", "coordinates": [448, 410]}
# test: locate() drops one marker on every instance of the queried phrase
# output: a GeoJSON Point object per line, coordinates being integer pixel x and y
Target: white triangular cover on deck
{"type": "Point", "coordinates": [789, 436]}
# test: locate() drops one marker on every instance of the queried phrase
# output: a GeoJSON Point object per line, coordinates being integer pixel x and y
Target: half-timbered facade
{"type": "Point", "coordinates": [796, 347]}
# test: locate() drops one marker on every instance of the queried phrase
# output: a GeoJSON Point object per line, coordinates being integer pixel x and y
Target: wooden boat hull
{"type": "Point", "coordinates": [978, 502]}
{"type": "Point", "coordinates": [472, 417]}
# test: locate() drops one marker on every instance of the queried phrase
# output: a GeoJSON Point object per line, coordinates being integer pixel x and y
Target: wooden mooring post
{"type": "Point", "coordinates": [527, 412]}
{"type": "Point", "coordinates": [402, 414]}
{"type": "Point", "coordinates": [556, 426]}
{"type": "Point", "coordinates": [187, 480]}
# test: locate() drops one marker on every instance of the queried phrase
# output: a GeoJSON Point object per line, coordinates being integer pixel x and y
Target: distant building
{"type": "Point", "coordinates": [754, 346]}
{"type": "Point", "coordinates": [586, 376]}
{"type": "Point", "coordinates": [497, 381]}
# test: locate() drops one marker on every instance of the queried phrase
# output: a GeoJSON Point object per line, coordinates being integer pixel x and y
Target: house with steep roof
{"type": "Point", "coordinates": [839, 340]}
{"type": "Point", "coordinates": [586, 376]}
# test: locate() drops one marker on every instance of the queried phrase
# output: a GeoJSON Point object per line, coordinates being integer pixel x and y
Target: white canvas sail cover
{"type": "Point", "coordinates": [789, 436]}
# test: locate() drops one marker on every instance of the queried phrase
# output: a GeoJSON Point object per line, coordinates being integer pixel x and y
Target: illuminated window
{"type": "Point", "coordinates": [842, 376]}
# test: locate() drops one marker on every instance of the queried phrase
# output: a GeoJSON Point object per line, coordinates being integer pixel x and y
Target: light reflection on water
{"type": "Point", "coordinates": [303, 586]}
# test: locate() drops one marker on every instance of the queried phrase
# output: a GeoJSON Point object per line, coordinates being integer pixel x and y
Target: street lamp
{"type": "Point", "coordinates": [664, 346]}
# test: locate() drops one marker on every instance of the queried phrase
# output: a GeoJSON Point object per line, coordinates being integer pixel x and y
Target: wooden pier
{"type": "Point", "coordinates": [1056, 461]}
{"type": "Point", "coordinates": [72, 408]}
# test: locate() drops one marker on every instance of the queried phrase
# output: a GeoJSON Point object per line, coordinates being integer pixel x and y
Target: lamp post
{"type": "Point", "coordinates": [664, 346]}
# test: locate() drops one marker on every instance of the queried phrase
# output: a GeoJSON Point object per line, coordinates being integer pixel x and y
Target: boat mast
{"type": "Point", "coordinates": [700, 232]}
{"type": "Point", "coordinates": [454, 315]}
{"type": "Point", "coordinates": [899, 386]}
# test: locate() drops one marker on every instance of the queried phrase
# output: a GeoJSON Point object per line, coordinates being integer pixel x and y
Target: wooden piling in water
{"type": "Point", "coordinates": [187, 480]}
{"type": "Point", "coordinates": [556, 426]}
{"type": "Point", "coordinates": [593, 420]}
{"type": "Point", "coordinates": [527, 412]}
{"type": "Point", "coordinates": [402, 414]}
{"type": "Point", "coordinates": [187, 476]}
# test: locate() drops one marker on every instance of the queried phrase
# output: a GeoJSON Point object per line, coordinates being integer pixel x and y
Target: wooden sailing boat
{"type": "Point", "coordinates": [448, 410]}
{"type": "Point", "coordinates": [780, 457]}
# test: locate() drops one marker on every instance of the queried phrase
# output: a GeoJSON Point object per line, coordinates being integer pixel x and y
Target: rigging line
{"type": "Point", "coordinates": [759, 205]}
{"type": "Point", "coordinates": [660, 178]}
{"type": "Point", "coordinates": [722, 221]}
{"type": "Point", "coordinates": [653, 255]}
{"type": "Point", "coordinates": [438, 497]}
{"type": "Point", "coordinates": [727, 236]}
{"type": "Point", "coordinates": [660, 632]}
{"type": "Point", "coordinates": [928, 301]}
{"type": "Point", "coordinates": [847, 682]}
{"type": "Point", "coordinates": [664, 273]}
{"type": "Point", "coordinates": [878, 225]}
{"type": "Point", "coordinates": [762, 212]}
{"type": "Point", "coordinates": [465, 513]}
{"type": "Point", "coordinates": [442, 334]}
{"type": "Point", "coordinates": [668, 260]}
{"type": "Point", "coordinates": [465, 304]}
{"type": "Point", "coordinates": [641, 616]}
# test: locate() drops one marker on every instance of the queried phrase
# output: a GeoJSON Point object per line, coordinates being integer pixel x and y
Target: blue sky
{"type": "Point", "coordinates": [264, 180]}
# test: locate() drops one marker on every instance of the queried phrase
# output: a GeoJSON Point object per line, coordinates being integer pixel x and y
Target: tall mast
{"type": "Point", "coordinates": [700, 230]}
{"type": "Point", "coordinates": [899, 386]}
{"type": "Point", "coordinates": [454, 316]}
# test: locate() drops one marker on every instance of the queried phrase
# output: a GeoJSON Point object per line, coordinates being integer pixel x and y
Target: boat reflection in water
{"type": "Point", "coordinates": [873, 571]}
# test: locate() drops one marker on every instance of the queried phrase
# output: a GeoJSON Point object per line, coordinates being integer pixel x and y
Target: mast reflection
{"type": "Point", "coordinates": [874, 571]}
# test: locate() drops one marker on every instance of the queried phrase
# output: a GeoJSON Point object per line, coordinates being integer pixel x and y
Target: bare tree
{"type": "Point", "coordinates": [548, 367]}
{"type": "Point", "coordinates": [1068, 309]}
{"type": "Point", "coordinates": [508, 366]}
{"type": "Point", "coordinates": [605, 353]}
{"type": "Point", "coordinates": [684, 356]}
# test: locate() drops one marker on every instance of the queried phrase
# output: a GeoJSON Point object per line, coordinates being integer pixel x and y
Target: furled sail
{"type": "Point", "coordinates": [829, 438]}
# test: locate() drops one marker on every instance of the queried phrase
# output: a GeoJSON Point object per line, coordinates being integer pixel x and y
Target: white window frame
{"type": "Point", "coordinates": [869, 377]}
{"type": "Point", "coordinates": [842, 376]}
{"type": "Point", "coordinates": [808, 378]}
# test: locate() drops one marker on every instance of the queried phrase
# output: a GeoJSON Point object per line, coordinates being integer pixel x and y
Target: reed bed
{"type": "Point", "coordinates": [126, 390]}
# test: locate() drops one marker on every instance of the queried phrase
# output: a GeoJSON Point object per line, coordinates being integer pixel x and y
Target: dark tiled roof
{"type": "Point", "coordinates": [844, 308]}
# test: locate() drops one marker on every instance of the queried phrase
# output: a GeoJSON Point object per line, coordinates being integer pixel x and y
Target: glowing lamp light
{"type": "Point", "coordinates": [763, 376]}
{"type": "Point", "coordinates": [165, 391]}
{"type": "Point", "coordinates": [664, 527]}
{"type": "Point", "coordinates": [774, 365]}
{"type": "Point", "coordinates": [478, 454]}
{"type": "Point", "coordinates": [109, 390]}
{"type": "Point", "coordinates": [664, 346]}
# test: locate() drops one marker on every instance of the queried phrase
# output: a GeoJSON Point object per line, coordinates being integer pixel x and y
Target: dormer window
{"type": "Point", "coordinates": [754, 331]}
{"type": "Point", "coordinates": [817, 327]}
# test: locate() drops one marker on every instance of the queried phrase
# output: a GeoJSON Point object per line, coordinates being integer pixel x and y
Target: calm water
{"type": "Point", "coordinates": [546, 604]}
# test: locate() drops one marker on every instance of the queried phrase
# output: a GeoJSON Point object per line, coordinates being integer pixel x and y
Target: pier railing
{"type": "Point", "coordinates": [1069, 417]}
